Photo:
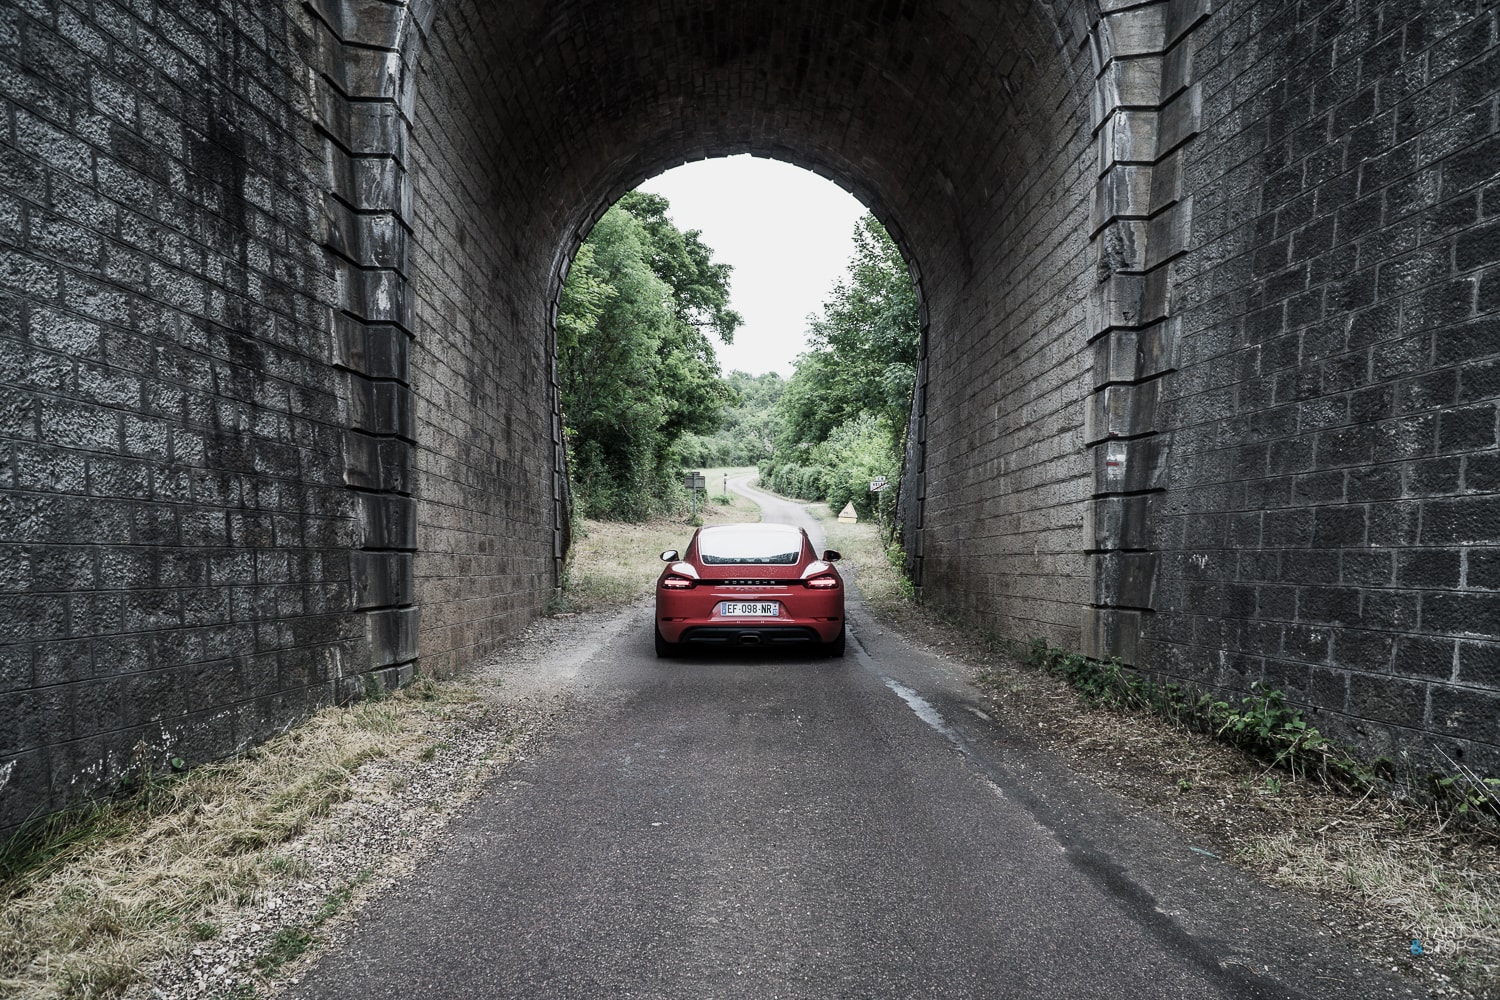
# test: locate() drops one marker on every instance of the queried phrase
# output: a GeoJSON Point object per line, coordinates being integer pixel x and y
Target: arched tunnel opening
{"type": "Point", "coordinates": [1207, 303]}
{"type": "Point", "coordinates": [729, 314]}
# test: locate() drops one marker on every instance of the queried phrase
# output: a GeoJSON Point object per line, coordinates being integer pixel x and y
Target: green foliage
{"type": "Point", "coordinates": [46, 840]}
{"type": "Point", "coordinates": [747, 429]}
{"type": "Point", "coordinates": [1467, 795]}
{"type": "Point", "coordinates": [1267, 727]}
{"type": "Point", "coordinates": [49, 839]}
{"type": "Point", "coordinates": [839, 470]}
{"type": "Point", "coordinates": [864, 347]}
{"type": "Point", "coordinates": [637, 367]}
{"type": "Point", "coordinates": [1100, 682]}
{"type": "Point", "coordinates": [804, 482]}
{"type": "Point", "coordinates": [287, 944]}
{"type": "Point", "coordinates": [1262, 724]}
{"type": "Point", "coordinates": [842, 416]}
{"type": "Point", "coordinates": [895, 553]}
{"type": "Point", "coordinates": [855, 453]}
{"type": "Point", "coordinates": [700, 288]}
{"type": "Point", "coordinates": [291, 941]}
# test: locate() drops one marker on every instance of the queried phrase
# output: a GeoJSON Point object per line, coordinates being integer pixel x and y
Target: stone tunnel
{"type": "Point", "coordinates": [1208, 376]}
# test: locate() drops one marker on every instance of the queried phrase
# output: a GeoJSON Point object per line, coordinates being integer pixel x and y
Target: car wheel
{"type": "Point", "coordinates": [664, 649]}
{"type": "Point", "coordinates": [836, 647]}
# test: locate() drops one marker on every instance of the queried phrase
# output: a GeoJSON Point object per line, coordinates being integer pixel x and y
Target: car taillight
{"type": "Point", "coordinates": [822, 583]}
{"type": "Point", "coordinates": [677, 583]}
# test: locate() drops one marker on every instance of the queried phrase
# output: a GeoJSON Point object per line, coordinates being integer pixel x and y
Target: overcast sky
{"type": "Point", "coordinates": [788, 234]}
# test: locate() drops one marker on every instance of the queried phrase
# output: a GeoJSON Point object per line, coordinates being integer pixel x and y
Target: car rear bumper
{"type": "Point", "coordinates": [803, 616]}
{"type": "Point", "coordinates": [752, 635]}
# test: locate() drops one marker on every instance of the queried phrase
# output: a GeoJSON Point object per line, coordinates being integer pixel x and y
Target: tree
{"type": "Point", "coordinates": [747, 430]}
{"type": "Point", "coordinates": [611, 320]}
{"type": "Point", "coordinates": [637, 367]}
{"type": "Point", "coordinates": [864, 345]}
{"type": "Point", "coordinates": [699, 299]}
{"type": "Point", "coordinates": [700, 288]}
{"type": "Point", "coordinates": [842, 418]}
{"type": "Point", "coordinates": [863, 355]}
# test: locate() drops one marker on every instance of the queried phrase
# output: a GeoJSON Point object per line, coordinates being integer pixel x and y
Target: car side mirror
{"type": "Point", "coordinates": [669, 556]}
{"type": "Point", "coordinates": [829, 555]}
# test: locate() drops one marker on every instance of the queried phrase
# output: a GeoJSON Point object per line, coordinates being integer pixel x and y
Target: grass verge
{"type": "Point", "coordinates": [614, 562]}
{"type": "Point", "coordinates": [875, 568]}
{"type": "Point", "coordinates": [1272, 795]}
{"type": "Point", "coordinates": [90, 900]}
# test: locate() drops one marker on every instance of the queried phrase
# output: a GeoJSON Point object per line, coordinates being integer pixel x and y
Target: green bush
{"type": "Point", "coordinates": [1262, 724]}
{"type": "Point", "coordinates": [804, 482]}
{"type": "Point", "coordinates": [840, 469]}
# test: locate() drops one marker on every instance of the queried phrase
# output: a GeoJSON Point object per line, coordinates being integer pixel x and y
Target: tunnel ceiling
{"type": "Point", "coordinates": [904, 103]}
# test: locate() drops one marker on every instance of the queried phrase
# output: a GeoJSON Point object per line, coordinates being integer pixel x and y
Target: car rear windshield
{"type": "Point", "coordinates": [759, 547]}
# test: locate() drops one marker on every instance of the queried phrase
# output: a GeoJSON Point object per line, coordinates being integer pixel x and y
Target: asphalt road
{"type": "Point", "coordinates": [773, 826]}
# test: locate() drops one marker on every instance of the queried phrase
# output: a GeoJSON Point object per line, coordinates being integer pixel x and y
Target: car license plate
{"type": "Point", "coordinates": [749, 609]}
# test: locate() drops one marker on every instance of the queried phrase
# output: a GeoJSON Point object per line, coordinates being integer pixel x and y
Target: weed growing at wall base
{"type": "Point", "coordinates": [1261, 724]}
{"type": "Point", "coordinates": [1466, 795]}
{"type": "Point", "coordinates": [1396, 868]}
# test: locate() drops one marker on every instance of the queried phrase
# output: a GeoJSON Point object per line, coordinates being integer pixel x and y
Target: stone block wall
{"type": "Point", "coordinates": [1005, 484]}
{"type": "Point", "coordinates": [174, 523]}
{"type": "Point", "coordinates": [1331, 518]}
{"type": "Point", "coordinates": [490, 521]}
{"type": "Point", "coordinates": [276, 426]}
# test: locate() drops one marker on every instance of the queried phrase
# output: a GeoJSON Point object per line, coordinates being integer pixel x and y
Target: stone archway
{"type": "Point", "coordinates": [1068, 466]}
{"type": "Point", "coordinates": [853, 98]}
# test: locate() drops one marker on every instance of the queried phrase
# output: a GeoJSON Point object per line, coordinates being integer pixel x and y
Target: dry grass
{"type": "Point", "coordinates": [150, 875]}
{"type": "Point", "coordinates": [1437, 888]}
{"type": "Point", "coordinates": [867, 562]}
{"type": "Point", "coordinates": [1394, 870]}
{"type": "Point", "coordinates": [614, 563]}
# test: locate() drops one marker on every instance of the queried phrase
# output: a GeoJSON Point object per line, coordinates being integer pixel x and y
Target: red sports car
{"type": "Point", "coordinates": [750, 585]}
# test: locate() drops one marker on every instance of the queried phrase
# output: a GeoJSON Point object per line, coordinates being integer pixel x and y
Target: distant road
{"type": "Point", "coordinates": [778, 509]}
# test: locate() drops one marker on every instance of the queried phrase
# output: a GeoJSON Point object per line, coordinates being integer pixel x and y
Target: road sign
{"type": "Point", "coordinates": [878, 484]}
{"type": "Point", "coordinates": [696, 481]}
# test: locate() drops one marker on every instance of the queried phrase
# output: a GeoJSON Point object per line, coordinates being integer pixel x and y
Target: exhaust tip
{"type": "Point", "coordinates": [749, 640]}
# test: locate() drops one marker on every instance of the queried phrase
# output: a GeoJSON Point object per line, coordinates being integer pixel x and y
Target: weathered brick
{"type": "Point", "coordinates": [1363, 650]}
{"type": "Point", "coordinates": [1335, 527]}
{"type": "Point", "coordinates": [1469, 428]}
{"type": "Point", "coordinates": [1382, 699]}
{"type": "Point", "coordinates": [1482, 472]}
{"type": "Point", "coordinates": [1397, 610]}
{"type": "Point", "coordinates": [1429, 568]}
{"type": "Point", "coordinates": [1468, 614]}
{"type": "Point", "coordinates": [1434, 477]}
{"type": "Point", "coordinates": [1460, 520]}
{"type": "Point", "coordinates": [1466, 713]}
{"type": "Point", "coordinates": [1419, 656]}
{"type": "Point", "coordinates": [1329, 606]}
{"type": "Point", "coordinates": [1479, 664]}
{"type": "Point", "coordinates": [1482, 569]}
